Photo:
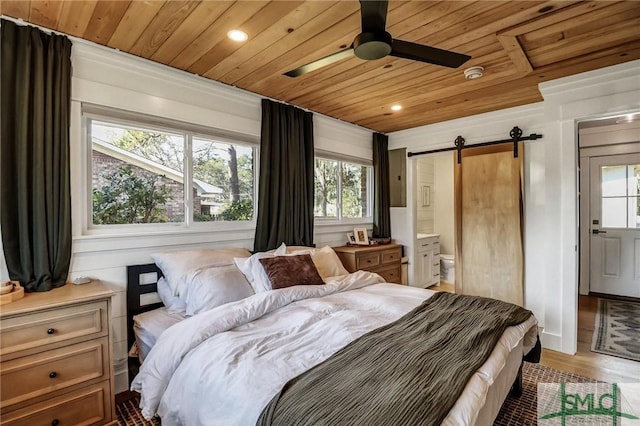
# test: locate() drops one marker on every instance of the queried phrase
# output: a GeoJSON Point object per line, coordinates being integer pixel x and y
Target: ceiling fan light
{"type": "Point", "coordinates": [396, 107]}
{"type": "Point", "coordinates": [473, 73]}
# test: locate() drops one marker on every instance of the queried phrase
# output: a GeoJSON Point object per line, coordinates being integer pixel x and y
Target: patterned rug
{"type": "Point", "coordinates": [515, 411]}
{"type": "Point", "coordinates": [617, 330]}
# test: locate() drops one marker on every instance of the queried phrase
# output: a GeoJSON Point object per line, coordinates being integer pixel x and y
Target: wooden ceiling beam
{"type": "Point", "coordinates": [512, 46]}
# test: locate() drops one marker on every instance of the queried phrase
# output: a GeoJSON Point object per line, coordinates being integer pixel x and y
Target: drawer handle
{"type": "Point", "coordinates": [51, 331]}
{"type": "Point", "coordinates": [55, 422]}
{"type": "Point", "coordinates": [53, 375]}
{"type": "Point", "coordinates": [368, 260]}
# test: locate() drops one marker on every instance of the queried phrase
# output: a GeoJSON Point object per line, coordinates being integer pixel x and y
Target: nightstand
{"type": "Point", "coordinates": [381, 259]}
{"type": "Point", "coordinates": [55, 358]}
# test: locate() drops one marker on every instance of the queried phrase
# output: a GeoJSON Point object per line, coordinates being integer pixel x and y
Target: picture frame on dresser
{"type": "Point", "coordinates": [360, 236]}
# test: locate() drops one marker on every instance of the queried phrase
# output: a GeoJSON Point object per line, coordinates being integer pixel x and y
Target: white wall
{"type": "Point", "coordinates": [550, 188]}
{"type": "Point", "coordinates": [110, 78]}
{"type": "Point", "coordinates": [424, 213]}
{"type": "Point", "coordinates": [443, 201]}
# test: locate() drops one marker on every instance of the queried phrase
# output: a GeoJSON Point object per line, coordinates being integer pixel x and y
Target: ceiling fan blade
{"type": "Point", "coordinates": [432, 55]}
{"type": "Point", "coordinates": [374, 15]}
{"type": "Point", "coordinates": [312, 66]}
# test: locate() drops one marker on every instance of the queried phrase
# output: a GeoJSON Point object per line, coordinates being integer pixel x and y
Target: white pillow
{"type": "Point", "coordinates": [208, 288]}
{"type": "Point", "coordinates": [176, 265]}
{"type": "Point", "coordinates": [253, 270]}
{"type": "Point", "coordinates": [328, 263]}
{"type": "Point", "coordinates": [172, 303]}
{"type": "Point", "coordinates": [326, 260]}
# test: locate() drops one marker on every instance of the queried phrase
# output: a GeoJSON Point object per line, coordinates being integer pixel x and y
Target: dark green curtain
{"type": "Point", "coordinates": [381, 199]}
{"type": "Point", "coordinates": [34, 155]}
{"type": "Point", "coordinates": [286, 191]}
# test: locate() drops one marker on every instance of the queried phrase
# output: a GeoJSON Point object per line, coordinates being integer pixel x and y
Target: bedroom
{"type": "Point", "coordinates": [109, 78]}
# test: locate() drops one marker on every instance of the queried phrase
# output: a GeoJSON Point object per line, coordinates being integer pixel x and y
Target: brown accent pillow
{"type": "Point", "coordinates": [286, 271]}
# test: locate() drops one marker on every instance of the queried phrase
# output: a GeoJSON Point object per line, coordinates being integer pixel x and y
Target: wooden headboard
{"type": "Point", "coordinates": [140, 282]}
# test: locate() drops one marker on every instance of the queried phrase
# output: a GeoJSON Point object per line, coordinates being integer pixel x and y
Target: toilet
{"type": "Point", "coordinates": [447, 268]}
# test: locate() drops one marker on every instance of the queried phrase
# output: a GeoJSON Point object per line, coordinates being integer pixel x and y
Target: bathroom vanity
{"type": "Point", "coordinates": [427, 260]}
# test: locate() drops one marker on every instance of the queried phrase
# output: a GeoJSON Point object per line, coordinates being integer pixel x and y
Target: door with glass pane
{"type": "Point", "coordinates": [615, 225]}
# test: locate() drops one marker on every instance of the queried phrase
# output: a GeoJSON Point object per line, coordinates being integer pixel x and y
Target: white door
{"type": "Point", "coordinates": [615, 225]}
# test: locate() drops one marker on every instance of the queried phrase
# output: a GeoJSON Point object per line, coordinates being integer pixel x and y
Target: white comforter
{"type": "Point", "coordinates": [223, 366]}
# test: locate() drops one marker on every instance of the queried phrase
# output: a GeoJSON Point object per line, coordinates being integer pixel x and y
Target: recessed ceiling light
{"type": "Point", "coordinates": [396, 107]}
{"type": "Point", "coordinates": [237, 35]}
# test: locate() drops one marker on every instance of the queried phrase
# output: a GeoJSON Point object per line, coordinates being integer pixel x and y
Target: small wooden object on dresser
{"type": "Point", "coordinates": [382, 259]}
{"type": "Point", "coordinates": [55, 358]}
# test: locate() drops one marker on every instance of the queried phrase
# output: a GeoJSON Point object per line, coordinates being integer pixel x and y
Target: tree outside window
{"type": "Point", "coordinates": [138, 176]}
{"type": "Point", "coordinates": [341, 189]}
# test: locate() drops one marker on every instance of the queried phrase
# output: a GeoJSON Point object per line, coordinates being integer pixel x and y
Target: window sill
{"type": "Point", "coordinates": [232, 235]}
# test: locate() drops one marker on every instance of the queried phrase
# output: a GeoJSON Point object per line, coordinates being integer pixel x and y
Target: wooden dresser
{"type": "Point", "coordinates": [381, 259]}
{"type": "Point", "coordinates": [55, 358]}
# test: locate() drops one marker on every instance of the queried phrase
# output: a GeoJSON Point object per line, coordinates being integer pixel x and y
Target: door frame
{"type": "Point", "coordinates": [585, 202]}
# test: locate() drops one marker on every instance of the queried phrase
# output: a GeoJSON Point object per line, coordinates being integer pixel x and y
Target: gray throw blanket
{"type": "Point", "coordinates": [409, 372]}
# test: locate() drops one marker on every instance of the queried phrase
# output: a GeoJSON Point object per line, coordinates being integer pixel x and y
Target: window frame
{"type": "Point", "coordinates": [339, 219]}
{"type": "Point", "coordinates": [91, 113]}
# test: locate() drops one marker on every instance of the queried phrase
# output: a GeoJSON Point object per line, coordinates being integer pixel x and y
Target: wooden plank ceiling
{"type": "Point", "coordinates": [519, 43]}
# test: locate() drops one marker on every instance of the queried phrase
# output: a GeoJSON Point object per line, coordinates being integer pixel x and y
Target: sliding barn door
{"type": "Point", "coordinates": [489, 249]}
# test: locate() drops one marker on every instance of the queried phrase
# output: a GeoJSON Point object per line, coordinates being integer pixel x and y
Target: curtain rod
{"type": "Point", "coordinates": [515, 133]}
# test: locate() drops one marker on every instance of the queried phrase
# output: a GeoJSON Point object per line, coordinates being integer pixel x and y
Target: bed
{"type": "Point", "coordinates": [232, 363]}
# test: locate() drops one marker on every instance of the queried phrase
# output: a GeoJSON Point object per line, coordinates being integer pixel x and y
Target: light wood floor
{"type": "Point", "coordinates": [585, 363]}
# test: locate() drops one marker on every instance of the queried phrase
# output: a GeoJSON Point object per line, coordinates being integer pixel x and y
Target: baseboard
{"type": "Point", "coordinates": [551, 341]}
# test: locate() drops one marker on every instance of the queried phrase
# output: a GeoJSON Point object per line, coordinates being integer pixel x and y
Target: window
{"type": "Point", "coordinates": [620, 196]}
{"type": "Point", "coordinates": [342, 189]}
{"type": "Point", "coordinates": [141, 174]}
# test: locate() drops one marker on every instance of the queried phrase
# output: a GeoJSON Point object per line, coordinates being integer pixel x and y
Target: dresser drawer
{"type": "Point", "coordinates": [86, 406]}
{"type": "Point", "coordinates": [391, 275]}
{"type": "Point", "coordinates": [367, 260]}
{"type": "Point", "coordinates": [34, 330]}
{"type": "Point", "coordinates": [36, 375]}
{"type": "Point", "coordinates": [391, 256]}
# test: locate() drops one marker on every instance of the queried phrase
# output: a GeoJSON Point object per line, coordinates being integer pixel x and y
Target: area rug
{"type": "Point", "coordinates": [515, 411]}
{"type": "Point", "coordinates": [617, 329]}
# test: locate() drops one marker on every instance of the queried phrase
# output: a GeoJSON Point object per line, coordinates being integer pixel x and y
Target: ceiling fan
{"type": "Point", "coordinates": [374, 42]}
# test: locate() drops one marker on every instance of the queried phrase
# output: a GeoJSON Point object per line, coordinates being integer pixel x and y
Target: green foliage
{"type": "Point", "coordinates": [353, 185]}
{"type": "Point", "coordinates": [326, 188]}
{"type": "Point", "coordinates": [157, 147]}
{"type": "Point", "coordinates": [129, 198]}
{"type": "Point", "coordinates": [238, 210]}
